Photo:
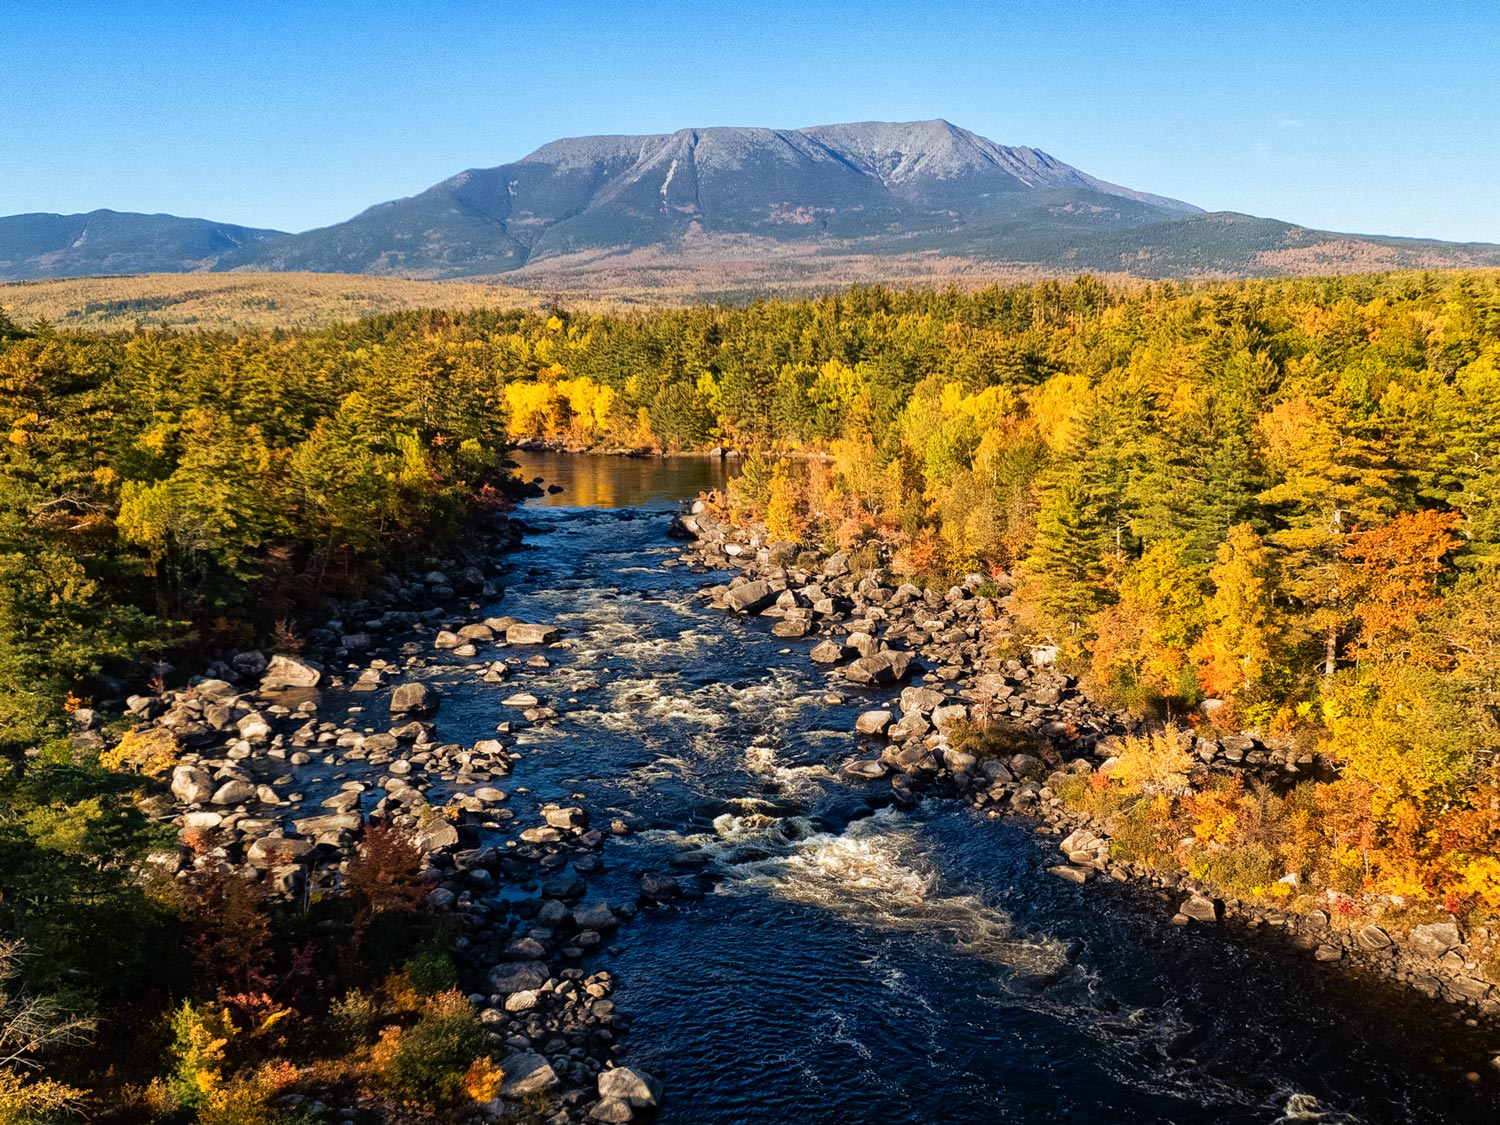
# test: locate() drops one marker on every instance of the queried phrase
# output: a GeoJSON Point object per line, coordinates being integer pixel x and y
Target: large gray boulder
{"type": "Point", "coordinates": [413, 698]}
{"type": "Point", "coordinates": [435, 835]}
{"type": "Point", "coordinates": [920, 699]}
{"type": "Point", "coordinates": [519, 977]}
{"type": "Point", "coordinates": [828, 652]}
{"type": "Point", "coordinates": [882, 668]}
{"type": "Point", "coordinates": [1434, 939]}
{"type": "Point", "coordinates": [527, 1073]}
{"type": "Point", "coordinates": [192, 785]}
{"type": "Point", "coordinates": [526, 634]}
{"type": "Point", "coordinates": [290, 672]}
{"type": "Point", "coordinates": [752, 597]}
{"type": "Point", "coordinates": [233, 792]}
{"type": "Point", "coordinates": [626, 1084]}
{"type": "Point", "coordinates": [1201, 908]}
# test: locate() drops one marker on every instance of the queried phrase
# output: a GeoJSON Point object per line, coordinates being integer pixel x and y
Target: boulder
{"type": "Point", "coordinates": [626, 1084]}
{"type": "Point", "coordinates": [1372, 939]}
{"type": "Point", "coordinates": [920, 700]}
{"type": "Point", "coordinates": [1434, 939]}
{"type": "Point", "coordinates": [192, 785]}
{"type": "Point", "coordinates": [1201, 908]}
{"type": "Point", "coordinates": [598, 917]}
{"type": "Point", "coordinates": [290, 672]}
{"type": "Point", "coordinates": [522, 1001]}
{"type": "Point", "coordinates": [912, 725]}
{"type": "Point", "coordinates": [565, 818]}
{"type": "Point", "coordinates": [253, 727]}
{"type": "Point", "coordinates": [611, 1111]}
{"type": "Point", "coordinates": [270, 851]}
{"type": "Point", "coordinates": [945, 717]}
{"type": "Point", "coordinates": [413, 698]}
{"type": "Point", "coordinates": [658, 888]}
{"type": "Point", "coordinates": [881, 668]}
{"type": "Point", "coordinates": [329, 828]}
{"type": "Point", "coordinates": [1071, 872]}
{"type": "Point", "coordinates": [435, 835]}
{"type": "Point", "coordinates": [873, 722]}
{"type": "Point", "coordinates": [871, 768]}
{"type": "Point", "coordinates": [828, 652]}
{"type": "Point", "coordinates": [522, 633]}
{"type": "Point", "coordinates": [752, 597]}
{"type": "Point", "coordinates": [233, 792]}
{"type": "Point", "coordinates": [527, 1073]}
{"type": "Point", "coordinates": [520, 977]}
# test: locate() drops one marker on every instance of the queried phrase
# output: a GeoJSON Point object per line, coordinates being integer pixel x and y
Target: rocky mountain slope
{"type": "Point", "coordinates": [728, 209]}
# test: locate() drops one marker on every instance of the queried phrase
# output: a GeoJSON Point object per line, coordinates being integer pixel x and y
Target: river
{"type": "Point", "coordinates": [852, 963]}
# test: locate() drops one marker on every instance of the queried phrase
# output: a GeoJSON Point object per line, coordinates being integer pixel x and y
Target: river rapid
{"type": "Point", "coordinates": [852, 963]}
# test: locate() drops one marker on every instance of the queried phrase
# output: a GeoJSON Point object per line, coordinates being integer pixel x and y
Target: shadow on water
{"type": "Point", "coordinates": [851, 963]}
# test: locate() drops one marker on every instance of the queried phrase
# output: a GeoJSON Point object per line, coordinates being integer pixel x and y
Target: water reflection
{"type": "Point", "coordinates": [600, 481]}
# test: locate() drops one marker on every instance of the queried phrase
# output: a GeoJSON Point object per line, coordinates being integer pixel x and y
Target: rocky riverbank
{"type": "Point", "coordinates": [934, 650]}
{"type": "Point", "coordinates": [277, 766]}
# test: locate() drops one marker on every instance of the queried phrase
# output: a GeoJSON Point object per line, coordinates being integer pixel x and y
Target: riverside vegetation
{"type": "Point", "coordinates": [1264, 507]}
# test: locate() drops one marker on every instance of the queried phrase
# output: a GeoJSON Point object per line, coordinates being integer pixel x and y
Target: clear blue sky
{"type": "Point", "coordinates": [1377, 117]}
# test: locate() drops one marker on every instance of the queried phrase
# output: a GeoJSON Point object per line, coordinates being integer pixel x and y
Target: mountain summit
{"type": "Point", "coordinates": [715, 209]}
{"type": "Point", "coordinates": [875, 187]}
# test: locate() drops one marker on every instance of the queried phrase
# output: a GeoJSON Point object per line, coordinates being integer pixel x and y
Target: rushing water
{"type": "Point", "coordinates": [854, 963]}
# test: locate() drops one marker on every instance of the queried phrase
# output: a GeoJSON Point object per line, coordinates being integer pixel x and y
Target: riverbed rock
{"type": "Point", "coordinates": [1072, 872]}
{"type": "Point", "coordinates": [527, 1073]}
{"type": "Point", "coordinates": [291, 672]}
{"type": "Point", "coordinates": [524, 633]}
{"type": "Point", "coordinates": [626, 1084]}
{"type": "Point", "coordinates": [571, 817]}
{"type": "Point", "coordinates": [920, 700]}
{"type": "Point", "coordinates": [435, 835]}
{"type": "Point", "coordinates": [413, 698]}
{"type": "Point", "coordinates": [597, 917]}
{"type": "Point", "coordinates": [881, 668]}
{"type": "Point", "coordinates": [752, 597]}
{"type": "Point", "coordinates": [192, 785]}
{"type": "Point", "coordinates": [873, 722]}
{"type": "Point", "coordinates": [870, 768]}
{"type": "Point", "coordinates": [232, 792]}
{"type": "Point", "coordinates": [1201, 908]}
{"type": "Point", "coordinates": [828, 652]}
{"type": "Point", "coordinates": [1434, 939]}
{"type": "Point", "coordinates": [659, 888]}
{"type": "Point", "coordinates": [1372, 939]}
{"type": "Point", "coordinates": [522, 1001]}
{"type": "Point", "coordinates": [518, 977]}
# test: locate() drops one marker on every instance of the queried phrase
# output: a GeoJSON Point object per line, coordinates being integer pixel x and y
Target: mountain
{"type": "Point", "coordinates": [735, 210]}
{"type": "Point", "coordinates": [870, 188]}
{"type": "Point", "coordinates": [100, 242]}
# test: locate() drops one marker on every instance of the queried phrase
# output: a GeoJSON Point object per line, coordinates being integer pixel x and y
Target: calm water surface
{"type": "Point", "coordinates": [854, 964]}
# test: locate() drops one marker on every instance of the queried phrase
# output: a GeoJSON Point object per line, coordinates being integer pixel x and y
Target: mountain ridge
{"type": "Point", "coordinates": [770, 201]}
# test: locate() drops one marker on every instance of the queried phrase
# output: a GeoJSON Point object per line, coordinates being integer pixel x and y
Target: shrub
{"type": "Point", "coordinates": [1152, 763]}
{"type": "Point", "coordinates": [994, 738]}
{"type": "Point", "coordinates": [433, 1061]}
{"type": "Point", "coordinates": [152, 752]}
{"type": "Point", "coordinates": [432, 971]}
